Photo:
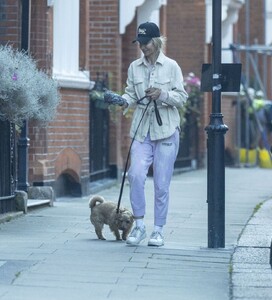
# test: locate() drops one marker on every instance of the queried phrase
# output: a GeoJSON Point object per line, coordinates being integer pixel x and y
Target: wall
{"type": "Point", "coordinates": [61, 147]}
{"type": "Point", "coordinates": [105, 56]}
{"type": "Point", "coordinates": [186, 44]}
{"type": "Point", "coordinates": [10, 22]}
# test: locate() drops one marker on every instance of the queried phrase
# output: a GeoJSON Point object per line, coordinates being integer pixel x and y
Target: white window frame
{"type": "Point", "coordinates": [268, 22]}
{"type": "Point", "coordinates": [66, 46]}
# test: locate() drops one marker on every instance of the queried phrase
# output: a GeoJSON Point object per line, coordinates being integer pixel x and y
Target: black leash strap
{"type": "Point", "coordinates": [126, 165]}
{"type": "Point", "coordinates": [157, 113]}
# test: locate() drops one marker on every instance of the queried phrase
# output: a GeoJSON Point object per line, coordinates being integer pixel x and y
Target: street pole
{"type": "Point", "coordinates": [215, 142]}
{"type": "Point", "coordinates": [23, 140]}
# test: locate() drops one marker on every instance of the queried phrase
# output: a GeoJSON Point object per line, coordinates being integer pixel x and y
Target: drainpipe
{"type": "Point", "coordinates": [23, 141]}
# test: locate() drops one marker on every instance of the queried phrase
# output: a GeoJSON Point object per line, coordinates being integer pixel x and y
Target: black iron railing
{"type": "Point", "coordinates": [99, 131]}
{"type": "Point", "coordinates": [7, 167]}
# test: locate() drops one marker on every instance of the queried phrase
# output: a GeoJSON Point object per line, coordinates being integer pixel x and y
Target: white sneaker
{"type": "Point", "coordinates": [136, 236]}
{"type": "Point", "coordinates": [156, 239]}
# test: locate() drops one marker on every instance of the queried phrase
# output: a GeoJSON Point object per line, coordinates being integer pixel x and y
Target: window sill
{"type": "Point", "coordinates": [77, 80]}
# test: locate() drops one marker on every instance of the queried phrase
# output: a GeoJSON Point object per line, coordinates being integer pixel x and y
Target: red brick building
{"type": "Point", "coordinates": [80, 41]}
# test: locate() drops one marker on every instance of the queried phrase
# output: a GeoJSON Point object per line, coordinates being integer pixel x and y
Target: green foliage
{"type": "Point", "coordinates": [257, 207]}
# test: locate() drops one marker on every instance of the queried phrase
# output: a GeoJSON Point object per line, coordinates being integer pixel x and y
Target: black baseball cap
{"type": "Point", "coordinates": [146, 32]}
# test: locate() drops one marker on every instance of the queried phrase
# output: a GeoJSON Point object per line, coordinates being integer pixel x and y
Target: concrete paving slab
{"type": "Point", "coordinates": [91, 291]}
{"type": "Point", "coordinates": [252, 293]}
{"type": "Point", "coordinates": [65, 260]}
{"type": "Point", "coordinates": [252, 275]}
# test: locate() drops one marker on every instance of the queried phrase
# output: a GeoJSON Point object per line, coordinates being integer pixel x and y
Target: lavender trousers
{"type": "Point", "coordinates": [162, 153]}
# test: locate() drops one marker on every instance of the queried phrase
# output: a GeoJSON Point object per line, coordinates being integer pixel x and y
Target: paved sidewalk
{"type": "Point", "coordinates": [53, 253]}
{"type": "Point", "coordinates": [251, 271]}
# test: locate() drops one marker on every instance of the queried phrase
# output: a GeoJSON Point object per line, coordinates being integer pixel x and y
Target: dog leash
{"type": "Point", "coordinates": [157, 113]}
{"type": "Point", "coordinates": [126, 165]}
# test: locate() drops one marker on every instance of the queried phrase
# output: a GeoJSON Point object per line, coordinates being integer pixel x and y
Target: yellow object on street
{"type": "Point", "coordinates": [264, 159]}
{"type": "Point", "coordinates": [252, 156]}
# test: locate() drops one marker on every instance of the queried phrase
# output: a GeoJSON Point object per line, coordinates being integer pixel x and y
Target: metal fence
{"type": "Point", "coordinates": [7, 167]}
{"type": "Point", "coordinates": [99, 142]}
{"type": "Point", "coordinates": [188, 155]}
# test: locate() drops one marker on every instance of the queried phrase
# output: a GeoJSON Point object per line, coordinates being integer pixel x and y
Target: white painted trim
{"type": "Point", "coordinates": [50, 2]}
{"type": "Point", "coordinates": [230, 14]}
{"type": "Point", "coordinates": [268, 22]}
{"type": "Point", "coordinates": [230, 11]}
{"type": "Point", "coordinates": [127, 12]}
{"type": "Point", "coordinates": [147, 10]}
{"type": "Point", "coordinates": [66, 46]}
{"type": "Point", "coordinates": [76, 81]}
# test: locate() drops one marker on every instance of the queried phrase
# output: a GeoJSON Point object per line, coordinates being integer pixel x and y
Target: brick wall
{"type": "Point", "coordinates": [130, 50]}
{"type": "Point", "coordinates": [40, 36]}
{"type": "Point", "coordinates": [40, 41]}
{"type": "Point", "coordinates": [185, 32]}
{"type": "Point", "coordinates": [55, 149]}
{"type": "Point", "coordinates": [64, 144]}
{"type": "Point", "coordinates": [105, 57]}
{"type": "Point", "coordinates": [10, 22]}
{"type": "Point", "coordinates": [84, 42]}
{"type": "Point", "coordinates": [62, 147]}
{"type": "Point", "coordinates": [105, 41]}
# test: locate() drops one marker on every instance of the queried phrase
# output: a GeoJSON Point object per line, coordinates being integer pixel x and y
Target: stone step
{"type": "Point", "coordinates": [31, 203]}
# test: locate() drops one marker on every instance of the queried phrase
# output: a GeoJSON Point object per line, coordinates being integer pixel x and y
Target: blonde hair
{"type": "Point", "coordinates": [159, 42]}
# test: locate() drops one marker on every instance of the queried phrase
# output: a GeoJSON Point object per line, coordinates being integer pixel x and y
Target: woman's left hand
{"type": "Point", "coordinates": [153, 93]}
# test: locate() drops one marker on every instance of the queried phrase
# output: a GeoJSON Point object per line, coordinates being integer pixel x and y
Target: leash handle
{"type": "Point", "coordinates": [126, 165]}
{"type": "Point", "coordinates": [157, 113]}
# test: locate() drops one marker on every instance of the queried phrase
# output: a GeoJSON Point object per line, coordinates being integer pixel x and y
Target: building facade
{"type": "Point", "coordinates": [87, 45]}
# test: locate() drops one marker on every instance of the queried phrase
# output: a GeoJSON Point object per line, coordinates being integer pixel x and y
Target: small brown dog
{"type": "Point", "coordinates": [105, 213]}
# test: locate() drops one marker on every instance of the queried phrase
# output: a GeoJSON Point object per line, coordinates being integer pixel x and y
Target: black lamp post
{"type": "Point", "coordinates": [215, 143]}
{"type": "Point", "coordinates": [217, 78]}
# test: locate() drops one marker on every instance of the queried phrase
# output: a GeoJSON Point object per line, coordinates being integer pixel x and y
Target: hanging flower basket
{"type": "Point", "coordinates": [25, 92]}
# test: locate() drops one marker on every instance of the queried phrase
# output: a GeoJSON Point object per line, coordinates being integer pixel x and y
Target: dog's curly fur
{"type": "Point", "coordinates": [106, 213]}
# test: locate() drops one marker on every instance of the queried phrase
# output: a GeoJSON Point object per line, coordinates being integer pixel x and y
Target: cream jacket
{"type": "Point", "coordinates": [167, 76]}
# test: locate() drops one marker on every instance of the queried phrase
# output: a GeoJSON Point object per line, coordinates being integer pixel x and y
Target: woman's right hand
{"type": "Point", "coordinates": [153, 93]}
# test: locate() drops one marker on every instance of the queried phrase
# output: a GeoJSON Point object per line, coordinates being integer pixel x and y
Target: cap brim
{"type": "Point", "coordinates": [142, 40]}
